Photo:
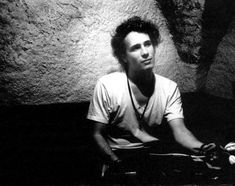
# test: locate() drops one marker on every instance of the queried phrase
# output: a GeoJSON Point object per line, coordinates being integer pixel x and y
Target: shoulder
{"type": "Point", "coordinates": [165, 86]}
{"type": "Point", "coordinates": [165, 82]}
{"type": "Point", "coordinates": [112, 77]}
{"type": "Point", "coordinates": [113, 80]}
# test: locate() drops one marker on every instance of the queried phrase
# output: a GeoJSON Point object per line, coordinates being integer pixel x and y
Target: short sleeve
{"type": "Point", "coordinates": [99, 108]}
{"type": "Point", "coordinates": [174, 108]}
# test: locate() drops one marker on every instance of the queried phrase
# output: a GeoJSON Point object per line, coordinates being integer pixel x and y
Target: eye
{"type": "Point", "coordinates": [135, 47]}
{"type": "Point", "coordinates": [148, 43]}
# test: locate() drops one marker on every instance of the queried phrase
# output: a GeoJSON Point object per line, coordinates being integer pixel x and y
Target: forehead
{"type": "Point", "coordinates": [134, 38]}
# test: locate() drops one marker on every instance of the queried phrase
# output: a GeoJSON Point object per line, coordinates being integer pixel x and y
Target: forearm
{"type": "Point", "coordinates": [183, 136]}
{"type": "Point", "coordinates": [188, 140]}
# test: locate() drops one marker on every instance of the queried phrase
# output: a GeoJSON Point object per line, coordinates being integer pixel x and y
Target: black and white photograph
{"type": "Point", "coordinates": [117, 92]}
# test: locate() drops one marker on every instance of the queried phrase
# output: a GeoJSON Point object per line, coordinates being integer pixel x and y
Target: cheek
{"type": "Point", "coordinates": [132, 57]}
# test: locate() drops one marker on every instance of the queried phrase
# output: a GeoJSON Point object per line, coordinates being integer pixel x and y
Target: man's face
{"type": "Point", "coordinates": [139, 52]}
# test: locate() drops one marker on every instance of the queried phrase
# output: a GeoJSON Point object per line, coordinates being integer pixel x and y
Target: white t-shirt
{"type": "Point", "coordinates": [111, 105]}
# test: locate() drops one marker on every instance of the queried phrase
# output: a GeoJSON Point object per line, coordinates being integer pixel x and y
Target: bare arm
{"type": "Point", "coordinates": [183, 136]}
{"type": "Point", "coordinates": [99, 135]}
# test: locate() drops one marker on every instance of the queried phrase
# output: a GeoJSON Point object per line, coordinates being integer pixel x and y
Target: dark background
{"type": "Point", "coordinates": [51, 144]}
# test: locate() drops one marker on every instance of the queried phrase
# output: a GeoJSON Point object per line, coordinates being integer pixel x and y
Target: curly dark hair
{"type": "Point", "coordinates": [135, 24]}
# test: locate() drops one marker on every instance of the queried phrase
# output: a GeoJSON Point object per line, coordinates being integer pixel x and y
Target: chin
{"type": "Point", "coordinates": [149, 67]}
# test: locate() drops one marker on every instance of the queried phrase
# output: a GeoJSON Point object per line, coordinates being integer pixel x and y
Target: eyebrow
{"type": "Point", "coordinates": [135, 46]}
{"type": "Point", "coordinates": [138, 44]}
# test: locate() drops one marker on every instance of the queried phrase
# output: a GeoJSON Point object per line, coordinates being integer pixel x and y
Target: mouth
{"type": "Point", "coordinates": [147, 61]}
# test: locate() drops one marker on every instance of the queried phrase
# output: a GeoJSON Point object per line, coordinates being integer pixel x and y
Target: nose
{"type": "Point", "coordinates": [144, 52]}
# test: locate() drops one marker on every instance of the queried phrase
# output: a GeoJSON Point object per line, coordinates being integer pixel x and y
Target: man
{"type": "Point", "coordinates": [126, 106]}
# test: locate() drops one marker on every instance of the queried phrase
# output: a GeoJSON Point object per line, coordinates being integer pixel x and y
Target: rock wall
{"type": "Point", "coordinates": [221, 76]}
{"type": "Point", "coordinates": [54, 51]}
{"type": "Point", "coordinates": [185, 22]}
{"type": "Point", "coordinates": [203, 33]}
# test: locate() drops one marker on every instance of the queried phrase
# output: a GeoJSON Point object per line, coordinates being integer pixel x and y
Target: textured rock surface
{"type": "Point", "coordinates": [199, 28]}
{"type": "Point", "coordinates": [54, 51]}
{"type": "Point", "coordinates": [185, 21]}
{"type": "Point", "coordinates": [217, 17]}
{"type": "Point", "coordinates": [221, 77]}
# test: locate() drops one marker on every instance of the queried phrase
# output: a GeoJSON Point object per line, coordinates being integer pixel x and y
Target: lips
{"type": "Point", "coordinates": [147, 61]}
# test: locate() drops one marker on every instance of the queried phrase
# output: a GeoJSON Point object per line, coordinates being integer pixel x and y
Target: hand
{"type": "Point", "coordinates": [116, 167]}
{"type": "Point", "coordinates": [216, 157]}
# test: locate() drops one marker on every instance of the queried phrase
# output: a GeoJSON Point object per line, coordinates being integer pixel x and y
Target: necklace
{"type": "Point", "coordinates": [140, 117]}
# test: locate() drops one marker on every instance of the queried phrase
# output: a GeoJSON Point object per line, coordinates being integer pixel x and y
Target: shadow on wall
{"type": "Point", "coordinates": [184, 21]}
{"type": "Point", "coordinates": [216, 19]}
{"type": "Point", "coordinates": [233, 87]}
{"type": "Point", "coordinates": [198, 28]}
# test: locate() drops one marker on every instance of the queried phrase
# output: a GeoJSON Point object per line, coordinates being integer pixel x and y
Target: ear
{"type": "Point", "coordinates": [124, 59]}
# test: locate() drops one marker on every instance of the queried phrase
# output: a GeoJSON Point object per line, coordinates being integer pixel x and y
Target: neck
{"type": "Point", "coordinates": [141, 78]}
{"type": "Point", "coordinates": [144, 81]}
